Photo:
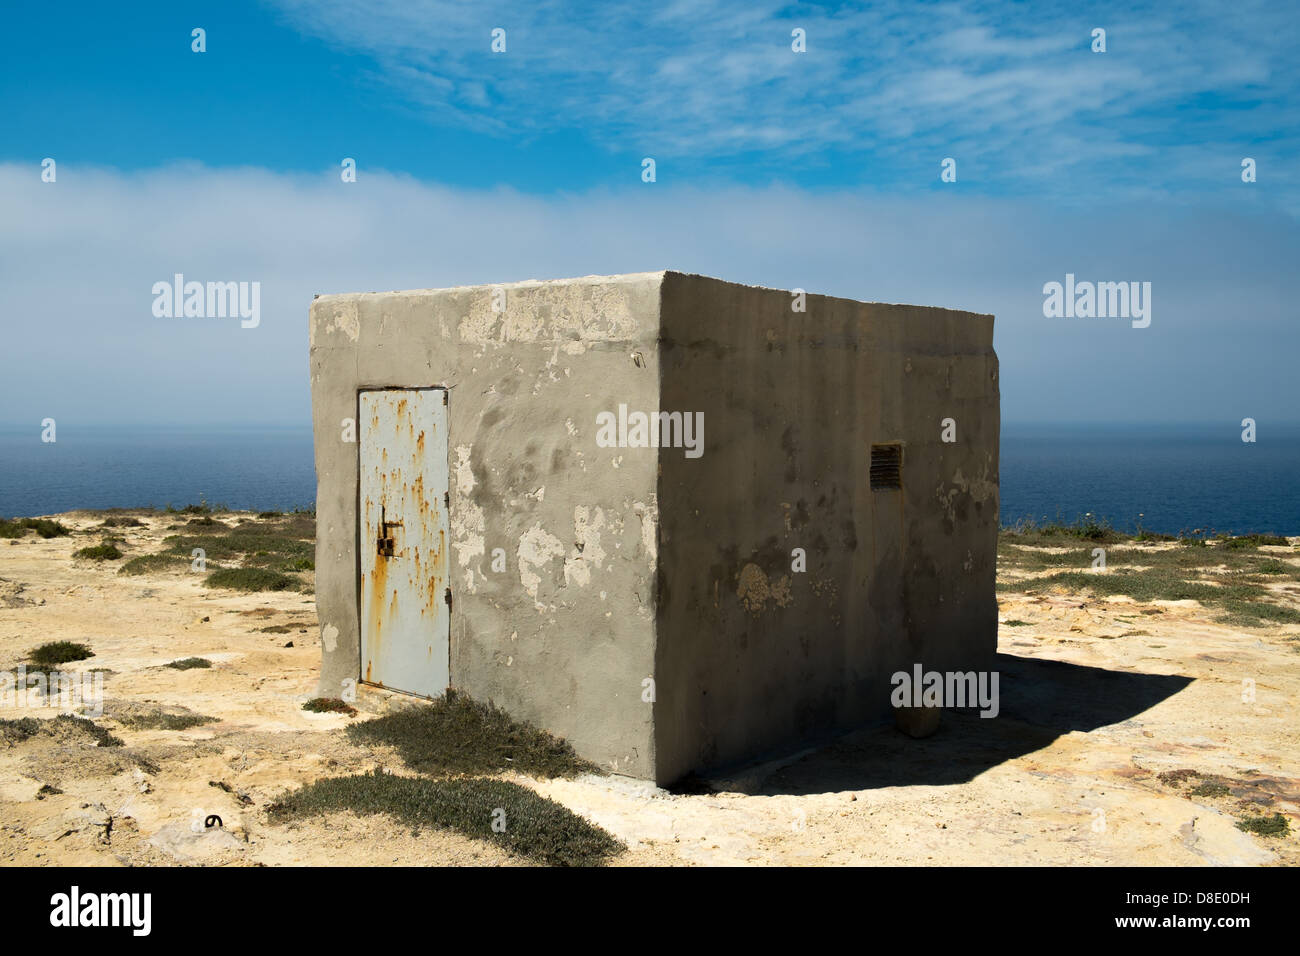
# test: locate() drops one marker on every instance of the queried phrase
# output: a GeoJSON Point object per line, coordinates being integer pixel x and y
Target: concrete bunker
{"type": "Point", "coordinates": [681, 522]}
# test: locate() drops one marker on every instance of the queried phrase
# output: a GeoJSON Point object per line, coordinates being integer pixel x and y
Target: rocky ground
{"type": "Point", "coordinates": [1132, 732]}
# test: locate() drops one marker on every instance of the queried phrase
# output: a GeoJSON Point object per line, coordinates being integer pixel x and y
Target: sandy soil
{"type": "Point", "coordinates": [1098, 700]}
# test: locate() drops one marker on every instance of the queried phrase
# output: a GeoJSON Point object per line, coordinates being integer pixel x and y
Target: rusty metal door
{"type": "Point", "coordinates": [405, 596]}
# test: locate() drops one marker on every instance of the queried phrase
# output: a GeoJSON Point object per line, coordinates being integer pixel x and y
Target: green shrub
{"type": "Point", "coordinates": [107, 551]}
{"type": "Point", "coordinates": [42, 526]}
{"type": "Point", "coordinates": [240, 544]}
{"type": "Point", "coordinates": [250, 579]}
{"type": "Point", "coordinates": [149, 563]}
{"type": "Point", "coordinates": [1086, 528]}
{"type": "Point", "coordinates": [122, 521]}
{"type": "Point", "coordinates": [1273, 826]}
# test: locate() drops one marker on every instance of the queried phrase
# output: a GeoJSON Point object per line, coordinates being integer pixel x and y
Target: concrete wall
{"type": "Point", "coordinates": [564, 637]}
{"type": "Point", "coordinates": [751, 656]}
{"type": "Point", "coordinates": [626, 563]}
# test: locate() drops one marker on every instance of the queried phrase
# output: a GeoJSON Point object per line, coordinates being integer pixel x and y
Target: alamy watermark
{"type": "Point", "coordinates": [64, 690]}
{"type": "Point", "coordinates": [946, 689]}
{"type": "Point", "coordinates": [1098, 300]}
{"type": "Point", "coordinates": [651, 430]}
{"type": "Point", "coordinates": [179, 299]}
{"type": "Point", "coordinates": [129, 910]}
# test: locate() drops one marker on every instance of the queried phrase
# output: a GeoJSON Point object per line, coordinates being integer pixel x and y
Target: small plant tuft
{"type": "Point", "coordinates": [457, 734]}
{"type": "Point", "coordinates": [189, 663]}
{"type": "Point", "coordinates": [65, 727]}
{"type": "Point", "coordinates": [107, 551]}
{"type": "Point", "coordinates": [161, 720]}
{"type": "Point", "coordinates": [42, 526]}
{"type": "Point", "coordinates": [250, 579]}
{"type": "Point", "coordinates": [506, 814]}
{"type": "Point", "coordinates": [58, 652]}
{"type": "Point", "coordinates": [329, 705]}
{"type": "Point", "coordinates": [1271, 826]}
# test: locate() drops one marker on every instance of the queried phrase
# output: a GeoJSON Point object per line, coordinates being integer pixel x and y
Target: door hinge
{"type": "Point", "coordinates": [447, 598]}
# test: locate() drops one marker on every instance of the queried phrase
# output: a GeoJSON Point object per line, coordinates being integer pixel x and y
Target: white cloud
{"type": "Point", "coordinates": [78, 259]}
{"type": "Point", "coordinates": [1003, 86]}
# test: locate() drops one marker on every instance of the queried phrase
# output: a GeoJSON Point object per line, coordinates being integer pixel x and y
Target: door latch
{"type": "Point", "coordinates": [386, 541]}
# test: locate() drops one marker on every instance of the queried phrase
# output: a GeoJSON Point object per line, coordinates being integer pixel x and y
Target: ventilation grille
{"type": "Point", "coordinates": [886, 466]}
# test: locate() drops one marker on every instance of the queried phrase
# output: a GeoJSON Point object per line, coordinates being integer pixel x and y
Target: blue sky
{"type": "Point", "coordinates": [818, 170]}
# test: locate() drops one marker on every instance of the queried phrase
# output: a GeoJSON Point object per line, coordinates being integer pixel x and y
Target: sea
{"type": "Point", "coordinates": [1163, 478]}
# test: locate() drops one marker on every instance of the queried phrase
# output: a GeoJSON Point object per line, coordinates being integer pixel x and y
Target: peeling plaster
{"type": "Point", "coordinates": [537, 548]}
{"type": "Point", "coordinates": [552, 312]}
{"type": "Point", "coordinates": [467, 519]}
{"type": "Point", "coordinates": [754, 589]}
{"type": "Point", "coordinates": [345, 318]}
{"type": "Point", "coordinates": [979, 489]}
{"type": "Point", "coordinates": [649, 515]}
{"type": "Point", "coordinates": [587, 551]}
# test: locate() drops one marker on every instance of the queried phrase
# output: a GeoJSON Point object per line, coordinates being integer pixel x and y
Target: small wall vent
{"type": "Point", "coordinates": [886, 466]}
